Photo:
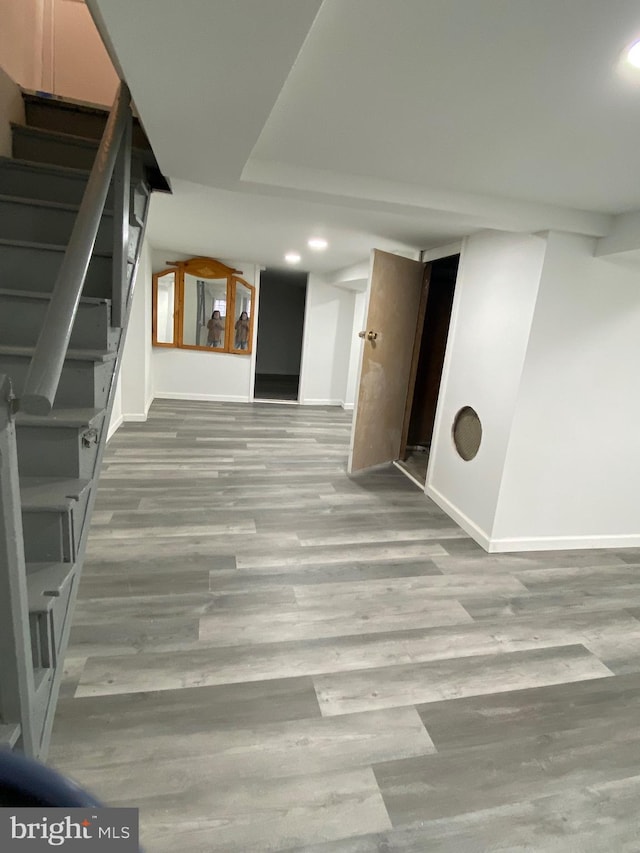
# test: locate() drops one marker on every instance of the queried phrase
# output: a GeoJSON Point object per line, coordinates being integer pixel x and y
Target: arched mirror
{"type": "Point", "coordinates": [211, 307]}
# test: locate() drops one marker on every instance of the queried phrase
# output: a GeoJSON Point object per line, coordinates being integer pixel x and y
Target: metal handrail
{"type": "Point", "coordinates": [46, 366]}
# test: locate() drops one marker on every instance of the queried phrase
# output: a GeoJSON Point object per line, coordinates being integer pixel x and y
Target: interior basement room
{"type": "Point", "coordinates": [319, 527]}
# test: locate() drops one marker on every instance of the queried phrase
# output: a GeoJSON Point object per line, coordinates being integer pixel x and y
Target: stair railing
{"type": "Point", "coordinates": [45, 370]}
{"type": "Point", "coordinates": [17, 682]}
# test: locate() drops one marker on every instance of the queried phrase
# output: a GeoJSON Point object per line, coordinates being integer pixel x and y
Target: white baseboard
{"type": "Point", "coordinates": [459, 517]}
{"type": "Point", "coordinates": [114, 426]}
{"type": "Point", "coordinates": [136, 418]}
{"type": "Point", "coordinates": [207, 398]}
{"type": "Point", "coordinates": [238, 398]}
{"type": "Point", "coordinates": [564, 543]}
{"type": "Point", "coordinates": [348, 407]}
{"type": "Point", "coordinates": [148, 404]}
{"type": "Point", "coordinates": [534, 543]}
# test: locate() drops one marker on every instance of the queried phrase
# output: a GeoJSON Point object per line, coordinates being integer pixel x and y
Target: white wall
{"type": "Point", "coordinates": [495, 297]}
{"type": "Point", "coordinates": [21, 40]}
{"type": "Point", "coordinates": [573, 465]}
{"type": "Point", "coordinates": [133, 397]}
{"type": "Point", "coordinates": [355, 355]}
{"type": "Point", "coordinates": [148, 373]}
{"type": "Point", "coordinates": [326, 347]}
{"type": "Point", "coordinates": [81, 65]}
{"type": "Point", "coordinates": [192, 375]}
{"type": "Point", "coordinates": [135, 372]}
{"type": "Point", "coordinates": [53, 46]}
{"type": "Point", "coordinates": [11, 110]}
{"type": "Point", "coordinates": [116, 412]}
{"type": "Point", "coordinates": [196, 375]}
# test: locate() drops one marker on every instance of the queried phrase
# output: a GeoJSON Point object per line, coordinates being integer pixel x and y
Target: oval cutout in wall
{"type": "Point", "coordinates": [467, 433]}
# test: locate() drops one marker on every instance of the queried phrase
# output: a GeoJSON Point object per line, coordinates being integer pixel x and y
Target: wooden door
{"type": "Point", "coordinates": [395, 291]}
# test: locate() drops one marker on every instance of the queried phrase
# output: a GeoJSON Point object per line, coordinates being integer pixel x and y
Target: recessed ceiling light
{"type": "Point", "coordinates": [292, 258]}
{"type": "Point", "coordinates": [633, 55]}
{"type": "Point", "coordinates": [317, 244]}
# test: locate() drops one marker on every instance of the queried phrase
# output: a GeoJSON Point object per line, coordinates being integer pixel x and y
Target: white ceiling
{"type": "Point", "coordinates": [399, 124]}
{"type": "Point", "coordinates": [260, 229]}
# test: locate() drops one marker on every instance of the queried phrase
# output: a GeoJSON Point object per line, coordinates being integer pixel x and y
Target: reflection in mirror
{"type": "Point", "coordinates": [202, 304]}
{"type": "Point", "coordinates": [204, 312]}
{"type": "Point", "coordinates": [165, 307]}
{"type": "Point", "coordinates": [242, 316]}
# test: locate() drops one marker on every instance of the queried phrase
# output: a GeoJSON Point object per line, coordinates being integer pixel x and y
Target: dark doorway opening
{"type": "Point", "coordinates": [280, 327]}
{"type": "Point", "coordinates": [429, 361]}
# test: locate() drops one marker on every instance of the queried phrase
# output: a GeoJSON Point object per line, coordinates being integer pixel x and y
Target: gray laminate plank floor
{"type": "Point", "coordinates": [268, 655]}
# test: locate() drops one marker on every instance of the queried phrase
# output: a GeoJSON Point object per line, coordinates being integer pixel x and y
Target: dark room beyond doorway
{"type": "Point", "coordinates": [430, 362]}
{"type": "Point", "coordinates": [280, 328]}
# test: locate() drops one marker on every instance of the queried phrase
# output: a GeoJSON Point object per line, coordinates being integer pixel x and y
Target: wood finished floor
{"type": "Point", "coordinates": [268, 655]}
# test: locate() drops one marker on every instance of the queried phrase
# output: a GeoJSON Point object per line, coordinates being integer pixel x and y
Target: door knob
{"type": "Point", "coordinates": [370, 336]}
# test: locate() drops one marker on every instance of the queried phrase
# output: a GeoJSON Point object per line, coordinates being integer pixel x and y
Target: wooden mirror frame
{"type": "Point", "coordinates": [203, 268]}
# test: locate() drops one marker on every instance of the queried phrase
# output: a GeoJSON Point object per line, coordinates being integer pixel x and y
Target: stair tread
{"type": "Point", "coordinates": [38, 96]}
{"type": "Point", "coordinates": [32, 294]}
{"type": "Point", "coordinates": [67, 104]}
{"type": "Point", "coordinates": [72, 138]}
{"type": "Point", "coordinates": [55, 169]}
{"type": "Point", "coordinates": [45, 582]}
{"type": "Point", "coordinates": [52, 168]}
{"type": "Point", "coordinates": [9, 734]}
{"type": "Point", "coordinates": [72, 354]}
{"type": "Point", "coordinates": [61, 418]}
{"type": "Point", "coordinates": [49, 247]}
{"type": "Point", "coordinates": [141, 148]}
{"type": "Point", "coordinates": [54, 205]}
{"type": "Point", "coordinates": [51, 493]}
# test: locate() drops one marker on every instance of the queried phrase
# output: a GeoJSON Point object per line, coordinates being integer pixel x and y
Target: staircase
{"type": "Point", "coordinates": [59, 452]}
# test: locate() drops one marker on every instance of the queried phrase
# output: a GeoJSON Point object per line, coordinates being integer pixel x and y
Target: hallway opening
{"type": "Point", "coordinates": [280, 328]}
